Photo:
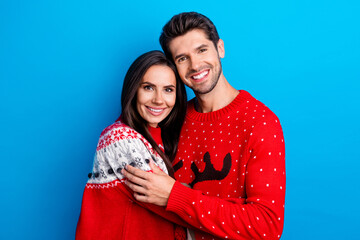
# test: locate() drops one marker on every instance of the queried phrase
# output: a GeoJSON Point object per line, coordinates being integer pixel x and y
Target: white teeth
{"type": "Point", "coordinates": [200, 75]}
{"type": "Point", "coordinates": [155, 110]}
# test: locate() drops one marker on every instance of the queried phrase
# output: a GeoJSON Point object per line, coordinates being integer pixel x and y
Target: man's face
{"type": "Point", "coordinates": [197, 60]}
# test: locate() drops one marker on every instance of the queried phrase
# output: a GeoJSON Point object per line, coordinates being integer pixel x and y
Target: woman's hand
{"type": "Point", "coordinates": [149, 187]}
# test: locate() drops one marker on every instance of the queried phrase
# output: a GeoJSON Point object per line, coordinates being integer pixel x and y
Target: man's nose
{"type": "Point", "coordinates": [195, 63]}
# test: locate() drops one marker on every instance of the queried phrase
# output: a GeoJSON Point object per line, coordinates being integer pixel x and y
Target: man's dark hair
{"type": "Point", "coordinates": [171, 125]}
{"type": "Point", "coordinates": [184, 22]}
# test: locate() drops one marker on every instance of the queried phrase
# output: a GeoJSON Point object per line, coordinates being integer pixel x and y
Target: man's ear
{"type": "Point", "coordinates": [221, 48]}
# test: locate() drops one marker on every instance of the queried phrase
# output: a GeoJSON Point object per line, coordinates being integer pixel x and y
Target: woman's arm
{"type": "Point", "coordinates": [120, 145]}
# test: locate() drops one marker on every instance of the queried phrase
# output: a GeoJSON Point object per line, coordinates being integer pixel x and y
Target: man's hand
{"type": "Point", "coordinates": [149, 187]}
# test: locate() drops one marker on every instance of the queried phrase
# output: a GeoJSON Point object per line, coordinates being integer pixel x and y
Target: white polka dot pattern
{"type": "Point", "coordinates": [247, 201]}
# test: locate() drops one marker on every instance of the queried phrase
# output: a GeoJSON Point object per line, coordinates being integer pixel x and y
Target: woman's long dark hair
{"type": "Point", "coordinates": [171, 125]}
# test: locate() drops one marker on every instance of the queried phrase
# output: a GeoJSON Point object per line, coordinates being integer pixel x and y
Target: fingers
{"type": "Point", "coordinates": [136, 172]}
{"type": "Point", "coordinates": [149, 187]}
{"type": "Point", "coordinates": [134, 177]}
{"type": "Point", "coordinates": [136, 188]}
{"type": "Point", "coordinates": [155, 168]}
{"type": "Point", "coordinates": [140, 197]}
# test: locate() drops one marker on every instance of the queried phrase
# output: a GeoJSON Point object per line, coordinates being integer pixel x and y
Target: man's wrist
{"type": "Point", "coordinates": [178, 197]}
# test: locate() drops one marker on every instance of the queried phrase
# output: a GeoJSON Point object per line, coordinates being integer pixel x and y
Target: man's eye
{"type": "Point", "coordinates": [203, 50]}
{"type": "Point", "coordinates": [182, 59]}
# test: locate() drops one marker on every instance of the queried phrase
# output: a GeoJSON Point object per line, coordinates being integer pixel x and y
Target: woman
{"type": "Point", "coordinates": [153, 108]}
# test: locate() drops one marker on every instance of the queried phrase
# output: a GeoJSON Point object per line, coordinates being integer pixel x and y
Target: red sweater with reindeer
{"type": "Point", "coordinates": [234, 159]}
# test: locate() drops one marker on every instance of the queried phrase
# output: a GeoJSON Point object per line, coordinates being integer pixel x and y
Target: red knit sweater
{"type": "Point", "coordinates": [234, 159]}
{"type": "Point", "coordinates": [109, 210]}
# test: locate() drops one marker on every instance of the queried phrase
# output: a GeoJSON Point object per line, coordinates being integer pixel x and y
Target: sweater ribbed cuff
{"type": "Point", "coordinates": [178, 198]}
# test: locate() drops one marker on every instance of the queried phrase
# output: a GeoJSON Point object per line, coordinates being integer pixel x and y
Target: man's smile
{"type": "Point", "coordinates": [200, 75]}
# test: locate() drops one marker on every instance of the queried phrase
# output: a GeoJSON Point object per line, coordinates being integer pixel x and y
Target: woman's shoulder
{"type": "Point", "coordinates": [117, 131]}
{"type": "Point", "coordinates": [119, 128]}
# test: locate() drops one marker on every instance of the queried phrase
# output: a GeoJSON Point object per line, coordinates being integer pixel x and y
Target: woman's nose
{"type": "Point", "coordinates": [158, 98]}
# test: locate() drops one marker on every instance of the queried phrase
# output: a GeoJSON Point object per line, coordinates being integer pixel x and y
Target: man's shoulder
{"type": "Point", "coordinates": [252, 102]}
{"type": "Point", "coordinates": [259, 113]}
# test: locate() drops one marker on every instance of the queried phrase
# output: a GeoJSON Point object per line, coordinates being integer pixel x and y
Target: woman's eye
{"type": "Point", "coordinates": [169, 90]}
{"type": "Point", "coordinates": [148, 88]}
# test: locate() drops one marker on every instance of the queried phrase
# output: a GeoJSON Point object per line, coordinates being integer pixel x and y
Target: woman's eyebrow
{"type": "Point", "coordinates": [169, 86]}
{"type": "Point", "coordinates": [148, 83]}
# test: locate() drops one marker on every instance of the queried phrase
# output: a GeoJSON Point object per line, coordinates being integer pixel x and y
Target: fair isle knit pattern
{"type": "Point", "coordinates": [109, 209]}
{"type": "Point", "coordinates": [120, 145]}
{"type": "Point", "coordinates": [234, 159]}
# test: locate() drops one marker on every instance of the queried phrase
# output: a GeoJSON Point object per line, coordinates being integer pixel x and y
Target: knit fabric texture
{"type": "Point", "coordinates": [234, 159]}
{"type": "Point", "coordinates": [109, 210]}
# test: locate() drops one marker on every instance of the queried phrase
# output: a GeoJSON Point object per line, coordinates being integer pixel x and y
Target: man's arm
{"type": "Point", "coordinates": [159, 210]}
{"type": "Point", "coordinates": [125, 145]}
{"type": "Point", "coordinates": [260, 215]}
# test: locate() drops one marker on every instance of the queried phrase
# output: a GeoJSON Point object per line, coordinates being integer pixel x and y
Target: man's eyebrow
{"type": "Point", "coordinates": [197, 49]}
{"type": "Point", "coordinates": [179, 56]}
{"type": "Point", "coordinates": [202, 46]}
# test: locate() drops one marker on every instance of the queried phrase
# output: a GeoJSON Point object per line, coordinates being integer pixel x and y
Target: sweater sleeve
{"type": "Point", "coordinates": [161, 211]}
{"type": "Point", "coordinates": [134, 150]}
{"type": "Point", "coordinates": [261, 214]}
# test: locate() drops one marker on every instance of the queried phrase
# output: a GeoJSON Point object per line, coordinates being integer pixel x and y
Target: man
{"type": "Point", "coordinates": [231, 150]}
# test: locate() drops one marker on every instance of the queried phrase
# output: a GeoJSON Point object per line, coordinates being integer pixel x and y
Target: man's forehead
{"type": "Point", "coordinates": [189, 41]}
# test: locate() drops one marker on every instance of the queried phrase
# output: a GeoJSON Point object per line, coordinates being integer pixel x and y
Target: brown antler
{"type": "Point", "coordinates": [210, 173]}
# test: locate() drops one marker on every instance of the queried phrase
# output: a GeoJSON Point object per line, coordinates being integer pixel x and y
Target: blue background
{"type": "Point", "coordinates": [61, 70]}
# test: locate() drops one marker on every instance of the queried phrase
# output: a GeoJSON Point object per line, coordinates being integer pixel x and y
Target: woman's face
{"type": "Point", "coordinates": [156, 95]}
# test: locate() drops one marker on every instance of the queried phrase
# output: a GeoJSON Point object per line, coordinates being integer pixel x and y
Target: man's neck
{"type": "Point", "coordinates": [221, 96]}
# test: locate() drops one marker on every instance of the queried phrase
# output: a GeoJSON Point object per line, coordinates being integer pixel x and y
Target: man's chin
{"type": "Point", "coordinates": [201, 90]}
